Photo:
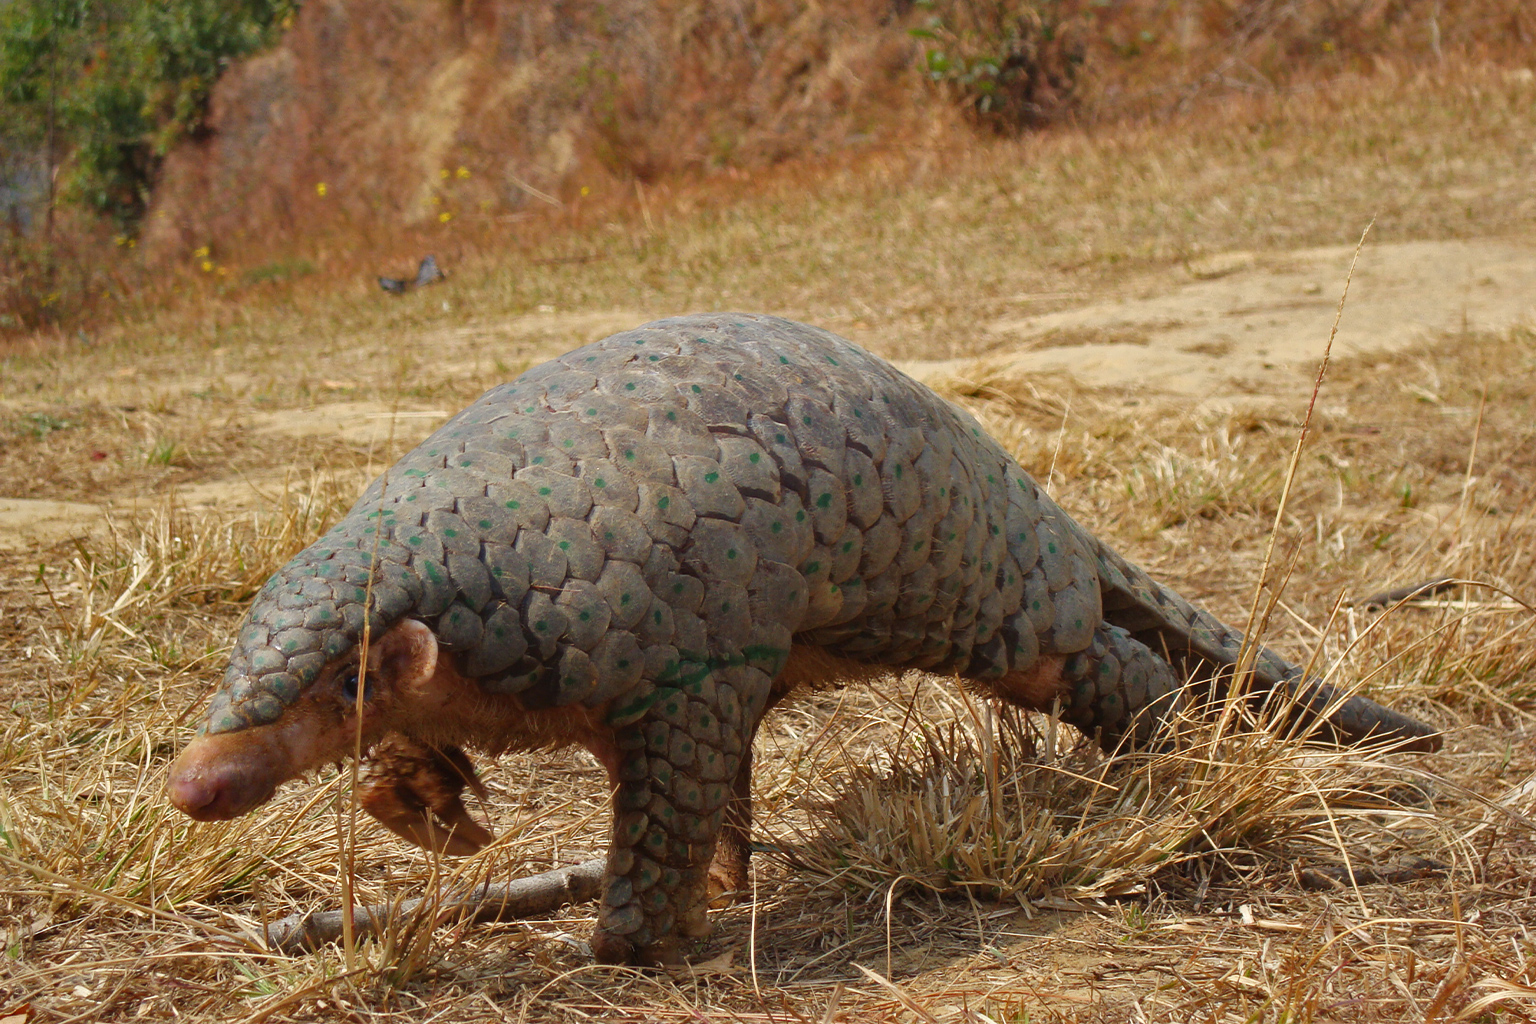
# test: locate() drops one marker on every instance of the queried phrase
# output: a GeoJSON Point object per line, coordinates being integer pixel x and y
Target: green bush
{"type": "Point", "coordinates": [1012, 64]}
{"type": "Point", "coordinates": [119, 82]}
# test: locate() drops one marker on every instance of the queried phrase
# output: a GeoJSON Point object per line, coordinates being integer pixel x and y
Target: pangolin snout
{"type": "Point", "coordinates": [210, 784]}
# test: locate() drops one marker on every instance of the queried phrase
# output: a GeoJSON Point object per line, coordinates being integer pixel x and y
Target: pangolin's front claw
{"type": "Point", "coordinates": [414, 791]}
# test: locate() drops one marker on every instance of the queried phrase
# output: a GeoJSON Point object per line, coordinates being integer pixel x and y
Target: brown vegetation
{"type": "Point", "coordinates": [372, 121]}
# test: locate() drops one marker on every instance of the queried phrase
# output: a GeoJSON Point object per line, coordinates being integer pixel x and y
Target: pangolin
{"type": "Point", "coordinates": [644, 544]}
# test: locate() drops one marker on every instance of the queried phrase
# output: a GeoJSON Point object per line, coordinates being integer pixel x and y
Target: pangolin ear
{"type": "Point", "coordinates": [406, 655]}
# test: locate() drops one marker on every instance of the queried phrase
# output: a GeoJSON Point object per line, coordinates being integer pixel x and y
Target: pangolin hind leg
{"type": "Point", "coordinates": [1117, 690]}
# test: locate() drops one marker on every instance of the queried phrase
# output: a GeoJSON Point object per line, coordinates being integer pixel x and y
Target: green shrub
{"type": "Point", "coordinates": [1012, 64]}
{"type": "Point", "coordinates": [119, 82]}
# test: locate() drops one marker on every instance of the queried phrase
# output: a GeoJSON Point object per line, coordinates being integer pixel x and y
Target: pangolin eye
{"type": "Point", "coordinates": [349, 684]}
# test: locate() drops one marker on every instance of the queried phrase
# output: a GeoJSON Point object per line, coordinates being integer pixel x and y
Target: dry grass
{"type": "Point", "coordinates": [924, 863]}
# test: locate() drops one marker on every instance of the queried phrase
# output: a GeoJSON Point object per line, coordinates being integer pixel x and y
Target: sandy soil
{"type": "Point", "coordinates": [1255, 324]}
{"type": "Point", "coordinates": [1225, 329]}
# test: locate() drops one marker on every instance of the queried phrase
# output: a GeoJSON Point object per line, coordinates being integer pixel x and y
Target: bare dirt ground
{"type": "Point", "coordinates": [1221, 329]}
{"type": "Point", "coordinates": [1138, 317]}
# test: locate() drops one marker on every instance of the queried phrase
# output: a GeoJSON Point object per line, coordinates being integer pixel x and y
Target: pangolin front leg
{"type": "Point", "coordinates": [416, 791]}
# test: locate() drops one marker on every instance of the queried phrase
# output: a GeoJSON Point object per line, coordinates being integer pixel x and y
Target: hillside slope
{"type": "Point", "coordinates": [534, 102]}
{"type": "Point", "coordinates": [372, 117]}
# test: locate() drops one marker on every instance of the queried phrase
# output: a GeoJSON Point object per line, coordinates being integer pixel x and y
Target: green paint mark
{"type": "Point", "coordinates": [754, 458]}
{"type": "Point", "coordinates": [824, 500]}
{"type": "Point", "coordinates": [858, 479]}
{"type": "Point", "coordinates": [545, 492]}
{"type": "Point", "coordinates": [663, 501]}
{"type": "Point", "coordinates": [564, 545]}
{"type": "Point", "coordinates": [599, 482]}
{"type": "Point", "coordinates": [711, 477]}
{"type": "Point", "coordinates": [514, 504]}
{"type": "Point", "coordinates": [486, 524]}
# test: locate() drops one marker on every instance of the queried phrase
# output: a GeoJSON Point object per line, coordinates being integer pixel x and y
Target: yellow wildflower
{"type": "Point", "coordinates": [320, 190]}
{"type": "Point", "coordinates": [462, 172]}
{"type": "Point", "coordinates": [444, 217]}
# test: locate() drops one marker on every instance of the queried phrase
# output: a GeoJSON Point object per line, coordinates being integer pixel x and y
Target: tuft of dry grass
{"type": "Point", "coordinates": [980, 806]}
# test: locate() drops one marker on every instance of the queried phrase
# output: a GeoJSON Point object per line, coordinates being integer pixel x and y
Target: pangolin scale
{"type": "Point", "coordinates": [639, 546]}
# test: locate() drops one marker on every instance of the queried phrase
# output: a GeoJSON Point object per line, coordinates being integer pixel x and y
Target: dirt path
{"type": "Point", "coordinates": [1224, 329]}
{"type": "Point", "coordinates": [1245, 324]}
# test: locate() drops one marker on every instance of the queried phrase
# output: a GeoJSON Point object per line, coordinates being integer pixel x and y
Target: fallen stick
{"type": "Point", "coordinates": [525, 897]}
{"type": "Point", "coordinates": [1387, 598]}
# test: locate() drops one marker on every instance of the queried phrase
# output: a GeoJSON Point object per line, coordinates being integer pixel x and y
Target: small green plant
{"type": "Point", "coordinates": [164, 452]}
{"type": "Point", "coordinates": [1012, 64]}
{"type": "Point", "coordinates": [40, 424]}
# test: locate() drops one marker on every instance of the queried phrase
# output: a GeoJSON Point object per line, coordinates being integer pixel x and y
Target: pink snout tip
{"type": "Point", "coordinates": [211, 788]}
